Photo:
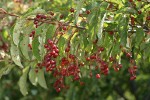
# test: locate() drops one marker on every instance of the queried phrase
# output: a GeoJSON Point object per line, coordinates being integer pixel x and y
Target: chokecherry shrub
{"type": "Point", "coordinates": [92, 39]}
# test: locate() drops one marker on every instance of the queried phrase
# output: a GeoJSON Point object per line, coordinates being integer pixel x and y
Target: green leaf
{"type": "Point", "coordinates": [85, 41]}
{"type": "Point", "coordinates": [23, 82]}
{"type": "Point", "coordinates": [41, 79]}
{"type": "Point", "coordinates": [61, 45]}
{"type": "Point", "coordinates": [100, 30]}
{"type": "Point", "coordinates": [33, 76]}
{"type": "Point", "coordinates": [18, 30]}
{"type": "Point", "coordinates": [35, 48]}
{"type": "Point", "coordinates": [24, 46]}
{"type": "Point", "coordinates": [139, 36]}
{"type": "Point", "coordinates": [33, 11]}
{"type": "Point", "coordinates": [116, 49]}
{"type": "Point", "coordinates": [24, 41]}
{"type": "Point", "coordinates": [42, 39]}
{"type": "Point", "coordinates": [5, 70]}
{"type": "Point", "coordinates": [123, 29]}
{"type": "Point", "coordinates": [79, 6]}
{"type": "Point", "coordinates": [50, 32]}
{"type": "Point", "coordinates": [14, 51]}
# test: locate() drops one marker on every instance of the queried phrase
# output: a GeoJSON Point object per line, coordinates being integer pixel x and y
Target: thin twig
{"type": "Point", "coordinates": [5, 12]}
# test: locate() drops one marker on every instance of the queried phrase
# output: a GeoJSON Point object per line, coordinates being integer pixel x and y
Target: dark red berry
{"type": "Point", "coordinates": [101, 49]}
{"type": "Point", "coordinates": [132, 77]}
{"type": "Point", "coordinates": [98, 76]}
{"type": "Point", "coordinates": [38, 16]}
{"type": "Point", "coordinates": [120, 65]}
{"type": "Point", "coordinates": [139, 11]}
{"type": "Point", "coordinates": [67, 49]}
{"type": "Point", "coordinates": [61, 16]}
{"type": "Point", "coordinates": [111, 32]}
{"type": "Point", "coordinates": [50, 41]}
{"type": "Point", "coordinates": [148, 18]}
{"type": "Point", "coordinates": [72, 10]}
{"type": "Point", "coordinates": [30, 35]}
{"type": "Point", "coordinates": [111, 59]}
{"type": "Point", "coordinates": [51, 13]}
{"type": "Point", "coordinates": [33, 32]}
{"type": "Point", "coordinates": [45, 46]}
{"type": "Point", "coordinates": [88, 58]}
{"type": "Point", "coordinates": [88, 12]}
{"type": "Point", "coordinates": [129, 55]}
{"type": "Point", "coordinates": [30, 46]}
{"type": "Point", "coordinates": [36, 70]}
{"type": "Point", "coordinates": [64, 28]}
{"type": "Point", "coordinates": [58, 89]}
{"type": "Point", "coordinates": [135, 67]}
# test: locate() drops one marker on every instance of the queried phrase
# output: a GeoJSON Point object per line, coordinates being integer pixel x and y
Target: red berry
{"type": "Point", "coordinates": [67, 49]}
{"type": "Point", "coordinates": [50, 41]}
{"type": "Point", "coordinates": [30, 35]}
{"type": "Point", "coordinates": [148, 18]}
{"type": "Point", "coordinates": [33, 32]}
{"type": "Point", "coordinates": [30, 46]}
{"type": "Point", "coordinates": [51, 13]}
{"type": "Point", "coordinates": [72, 10]}
{"type": "Point", "coordinates": [111, 5]}
{"type": "Point", "coordinates": [38, 16]}
{"type": "Point", "coordinates": [64, 28]}
{"type": "Point", "coordinates": [58, 89]}
{"type": "Point", "coordinates": [80, 15]}
{"type": "Point", "coordinates": [82, 83]}
{"type": "Point", "coordinates": [101, 49]}
{"type": "Point", "coordinates": [98, 76]}
{"type": "Point", "coordinates": [120, 65]}
{"type": "Point", "coordinates": [111, 59]}
{"type": "Point", "coordinates": [61, 16]}
{"type": "Point", "coordinates": [88, 12]}
{"type": "Point", "coordinates": [116, 69]}
{"type": "Point", "coordinates": [88, 58]}
{"type": "Point", "coordinates": [135, 67]}
{"type": "Point", "coordinates": [36, 70]}
{"type": "Point", "coordinates": [91, 74]}
{"type": "Point", "coordinates": [45, 46]}
{"type": "Point", "coordinates": [139, 11]}
{"type": "Point", "coordinates": [92, 57]}
{"type": "Point", "coordinates": [129, 55]}
{"type": "Point", "coordinates": [38, 64]}
{"type": "Point", "coordinates": [56, 50]}
{"type": "Point", "coordinates": [55, 55]}
{"type": "Point", "coordinates": [130, 0]}
{"type": "Point", "coordinates": [35, 22]}
{"type": "Point", "coordinates": [111, 32]}
{"type": "Point", "coordinates": [132, 77]}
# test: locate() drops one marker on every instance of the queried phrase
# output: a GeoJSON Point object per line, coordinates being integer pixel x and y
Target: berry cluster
{"type": "Point", "coordinates": [52, 53]}
{"type": "Point", "coordinates": [70, 65]}
{"type": "Point", "coordinates": [32, 34]}
{"type": "Point", "coordinates": [38, 19]}
{"type": "Point", "coordinates": [102, 64]}
{"type": "Point", "coordinates": [132, 71]}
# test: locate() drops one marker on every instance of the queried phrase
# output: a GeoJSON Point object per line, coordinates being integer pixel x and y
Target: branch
{"type": "Point", "coordinates": [6, 13]}
{"type": "Point", "coordinates": [56, 23]}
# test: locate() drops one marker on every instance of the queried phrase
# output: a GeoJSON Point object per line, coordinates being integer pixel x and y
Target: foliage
{"type": "Point", "coordinates": [81, 48]}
